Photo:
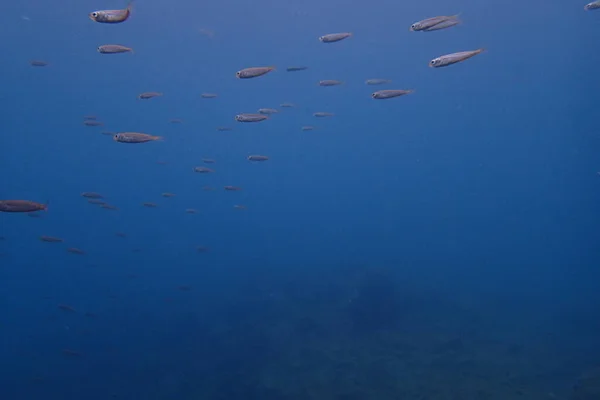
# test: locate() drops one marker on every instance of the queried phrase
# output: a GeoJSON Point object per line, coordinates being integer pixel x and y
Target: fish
{"type": "Point", "coordinates": [111, 16]}
{"type": "Point", "coordinates": [257, 157]}
{"type": "Point", "coordinates": [334, 37]}
{"type": "Point", "coordinates": [203, 170]}
{"type": "Point", "coordinates": [75, 250]}
{"type": "Point", "coordinates": [449, 59]}
{"type": "Point", "coordinates": [295, 69]}
{"type": "Point", "coordinates": [267, 111]}
{"type": "Point", "coordinates": [209, 95]}
{"type": "Point", "coordinates": [150, 205]}
{"type": "Point", "coordinates": [38, 63]}
{"type": "Point", "coordinates": [92, 195]}
{"type": "Point", "coordinates": [208, 161]}
{"type": "Point", "coordinates": [330, 82]}
{"type": "Point", "coordinates": [21, 206]}
{"type": "Point", "coordinates": [90, 117]}
{"type": "Point", "coordinates": [109, 207]}
{"type": "Point", "coordinates": [377, 81]}
{"type": "Point", "coordinates": [114, 49]}
{"type": "Point", "coordinates": [232, 188]}
{"type": "Point", "coordinates": [134, 137]}
{"type": "Point", "coordinates": [287, 105]}
{"type": "Point", "coordinates": [190, 211]}
{"type": "Point", "coordinates": [253, 72]}
{"type": "Point", "coordinates": [149, 95]}
{"type": "Point", "coordinates": [224, 129]}
{"type": "Point", "coordinates": [91, 122]}
{"type": "Point", "coordinates": [592, 6]}
{"type": "Point", "coordinates": [96, 202]}
{"type": "Point", "coordinates": [390, 93]}
{"type": "Point", "coordinates": [322, 114]}
{"type": "Point", "coordinates": [167, 194]}
{"type": "Point", "coordinates": [308, 128]}
{"type": "Point", "coordinates": [250, 117]}
{"type": "Point", "coordinates": [51, 239]}
{"type": "Point", "coordinates": [429, 23]}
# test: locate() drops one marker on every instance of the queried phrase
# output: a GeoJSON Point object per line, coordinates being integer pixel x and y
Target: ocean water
{"type": "Point", "coordinates": [440, 245]}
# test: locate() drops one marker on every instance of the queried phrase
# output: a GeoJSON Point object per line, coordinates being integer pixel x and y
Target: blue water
{"type": "Point", "coordinates": [441, 245]}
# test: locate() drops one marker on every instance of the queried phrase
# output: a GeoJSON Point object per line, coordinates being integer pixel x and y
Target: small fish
{"type": "Point", "coordinates": [390, 93]}
{"type": "Point", "coordinates": [21, 206]}
{"type": "Point", "coordinates": [323, 114]}
{"type": "Point", "coordinates": [208, 161]}
{"type": "Point", "coordinates": [592, 6]}
{"type": "Point", "coordinates": [167, 194]}
{"type": "Point", "coordinates": [257, 157]}
{"type": "Point", "coordinates": [295, 69]}
{"type": "Point", "coordinates": [334, 37]}
{"type": "Point", "coordinates": [209, 95]}
{"type": "Point", "coordinates": [191, 211]}
{"type": "Point", "coordinates": [239, 207]}
{"type": "Point", "coordinates": [330, 82]}
{"type": "Point", "coordinates": [92, 195]}
{"type": "Point", "coordinates": [109, 207]}
{"type": "Point", "coordinates": [150, 205]}
{"type": "Point", "coordinates": [91, 122]}
{"type": "Point", "coordinates": [377, 81]}
{"type": "Point", "coordinates": [267, 111]}
{"type": "Point", "coordinates": [90, 117]}
{"type": "Point", "coordinates": [224, 129]}
{"type": "Point", "coordinates": [134, 137]}
{"type": "Point", "coordinates": [111, 16]}
{"type": "Point", "coordinates": [149, 95]}
{"type": "Point", "coordinates": [38, 63]}
{"type": "Point", "coordinates": [114, 49]}
{"type": "Point", "coordinates": [287, 105]}
{"type": "Point", "coordinates": [203, 170]}
{"type": "Point", "coordinates": [51, 239]}
{"type": "Point", "coordinates": [431, 24]}
{"type": "Point", "coordinates": [232, 188]}
{"type": "Point", "coordinates": [75, 250]}
{"type": "Point", "coordinates": [253, 72]}
{"type": "Point", "coordinates": [66, 307]}
{"type": "Point", "coordinates": [96, 202]}
{"type": "Point", "coordinates": [250, 117]}
{"type": "Point", "coordinates": [176, 121]}
{"type": "Point", "coordinates": [308, 128]}
{"type": "Point", "coordinates": [449, 59]}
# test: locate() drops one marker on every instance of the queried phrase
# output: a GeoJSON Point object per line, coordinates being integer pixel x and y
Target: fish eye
{"type": "Point", "coordinates": [432, 62]}
{"type": "Point", "coordinates": [373, 95]}
{"type": "Point", "coordinates": [94, 14]}
{"type": "Point", "coordinates": [413, 26]}
{"type": "Point", "coordinates": [238, 73]}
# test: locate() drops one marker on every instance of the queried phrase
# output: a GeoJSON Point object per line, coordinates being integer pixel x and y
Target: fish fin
{"type": "Point", "coordinates": [130, 6]}
{"type": "Point", "coordinates": [158, 138]}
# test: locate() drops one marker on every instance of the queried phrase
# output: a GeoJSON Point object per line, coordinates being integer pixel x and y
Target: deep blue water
{"type": "Point", "coordinates": [473, 203]}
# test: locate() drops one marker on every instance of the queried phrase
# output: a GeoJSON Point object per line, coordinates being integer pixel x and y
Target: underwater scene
{"type": "Point", "coordinates": [299, 200]}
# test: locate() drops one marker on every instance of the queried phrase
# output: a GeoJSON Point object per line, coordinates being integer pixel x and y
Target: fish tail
{"type": "Point", "coordinates": [159, 138]}
{"type": "Point", "coordinates": [130, 6]}
{"type": "Point", "coordinates": [481, 50]}
{"type": "Point", "coordinates": [46, 204]}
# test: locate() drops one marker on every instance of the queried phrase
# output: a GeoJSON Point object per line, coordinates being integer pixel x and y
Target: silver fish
{"type": "Point", "coordinates": [111, 16]}
{"type": "Point", "coordinates": [390, 93]}
{"type": "Point", "coordinates": [134, 137]}
{"type": "Point", "coordinates": [322, 114]}
{"type": "Point", "coordinates": [250, 117]}
{"type": "Point", "coordinates": [330, 82]}
{"type": "Point", "coordinates": [253, 72]}
{"type": "Point", "coordinates": [449, 59]}
{"type": "Point", "coordinates": [149, 95]}
{"type": "Point", "coordinates": [203, 170]}
{"type": "Point", "coordinates": [38, 63]}
{"type": "Point", "coordinates": [114, 49]}
{"type": "Point", "coordinates": [257, 158]}
{"type": "Point", "coordinates": [308, 128]}
{"type": "Point", "coordinates": [429, 23]}
{"type": "Point", "coordinates": [592, 6]}
{"type": "Point", "coordinates": [295, 69]}
{"type": "Point", "coordinates": [267, 111]}
{"type": "Point", "coordinates": [286, 105]}
{"type": "Point", "coordinates": [334, 37]}
{"type": "Point", "coordinates": [209, 95]}
{"type": "Point", "coordinates": [377, 81]}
